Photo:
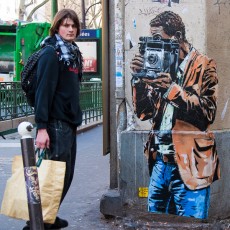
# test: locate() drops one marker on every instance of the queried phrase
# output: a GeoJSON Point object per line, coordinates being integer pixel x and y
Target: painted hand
{"type": "Point", "coordinates": [137, 63]}
{"type": "Point", "coordinates": [163, 81]}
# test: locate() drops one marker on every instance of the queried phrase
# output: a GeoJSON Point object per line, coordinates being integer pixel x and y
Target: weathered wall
{"type": "Point", "coordinates": [218, 45]}
{"type": "Point", "coordinates": [207, 28]}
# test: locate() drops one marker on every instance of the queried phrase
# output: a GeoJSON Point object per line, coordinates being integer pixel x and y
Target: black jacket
{"type": "Point", "coordinates": [57, 94]}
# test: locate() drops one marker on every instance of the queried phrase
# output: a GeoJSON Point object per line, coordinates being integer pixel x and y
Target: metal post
{"type": "Point", "coordinates": [31, 176]}
{"type": "Point", "coordinates": [83, 13]}
{"type": "Point", "coordinates": [54, 8]}
{"type": "Point", "coordinates": [105, 78]}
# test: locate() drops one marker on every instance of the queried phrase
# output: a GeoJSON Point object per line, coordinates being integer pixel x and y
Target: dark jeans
{"type": "Point", "coordinates": [63, 148]}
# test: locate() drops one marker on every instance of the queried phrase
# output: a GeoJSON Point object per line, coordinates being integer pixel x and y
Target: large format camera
{"type": "Point", "coordinates": [160, 55]}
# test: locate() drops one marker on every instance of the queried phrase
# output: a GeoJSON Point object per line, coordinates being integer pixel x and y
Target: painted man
{"type": "Point", "coordinates": [181, 150]}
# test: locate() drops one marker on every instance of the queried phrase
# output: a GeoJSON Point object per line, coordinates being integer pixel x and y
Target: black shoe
{"type": "Point", "coordinates": [59, 223]}
{"type": "Point", "coordinates": [27, 227]}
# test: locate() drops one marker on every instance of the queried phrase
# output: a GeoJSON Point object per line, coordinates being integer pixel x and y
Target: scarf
{"type": "Point", "coordinates": [69, 53]}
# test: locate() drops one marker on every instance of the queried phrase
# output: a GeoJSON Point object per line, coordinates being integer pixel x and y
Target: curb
{"type": "Point", "coordinates": [89, 126]}
{"type": "Point", "coordinates": [13, 135]}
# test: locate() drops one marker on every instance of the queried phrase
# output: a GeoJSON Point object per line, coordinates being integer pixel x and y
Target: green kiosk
{"type": "Point", "coordinates": [18, 41]}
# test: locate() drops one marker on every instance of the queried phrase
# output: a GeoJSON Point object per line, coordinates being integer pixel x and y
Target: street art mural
{"type": "Point", "coordinates": [167, 1]}
{"type": "Point", "coordinates": [175, 86]}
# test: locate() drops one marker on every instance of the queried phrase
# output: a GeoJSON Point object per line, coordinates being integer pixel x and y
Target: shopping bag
{"type": "Point", "coordinates": [51, 181]}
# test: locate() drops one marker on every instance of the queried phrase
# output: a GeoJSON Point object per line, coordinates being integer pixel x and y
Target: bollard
{"type": "Point", "coordinates": [31, 176]}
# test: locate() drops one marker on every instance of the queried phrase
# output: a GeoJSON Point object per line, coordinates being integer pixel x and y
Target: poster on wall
{"type": "Point", "coordinates": [89, 53]}
{"type": "Point", "coordinates": [175, 87]}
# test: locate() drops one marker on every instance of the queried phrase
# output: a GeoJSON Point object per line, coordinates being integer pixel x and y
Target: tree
{"type": "Point", "coordinates": [89, 11]}
{"type": "Point", "coordinates": [23, 6]}
{"type": "Point", "coordinates": [90, 16]}
{"type": "Point", "coordinates": [93, 14]}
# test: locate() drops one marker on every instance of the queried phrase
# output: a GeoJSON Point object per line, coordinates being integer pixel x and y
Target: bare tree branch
{"type": "Point", "coordinates": [93, 10]}
{"type": "Point", "coordinates": [93, 21]}
{"type": "Point", "coordinates": [29, 18]}
{"type": "Point", "coordinates": [92, 6]}
{"type": "Point", "coordinates": [31, 2]}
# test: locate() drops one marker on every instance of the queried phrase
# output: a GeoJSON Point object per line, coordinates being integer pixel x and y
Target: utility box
{"type": "Point", "coordinates": [18, 41]}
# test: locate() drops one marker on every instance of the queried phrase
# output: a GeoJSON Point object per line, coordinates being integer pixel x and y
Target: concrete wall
{"type": "Point", "coordinates": [218, 46]}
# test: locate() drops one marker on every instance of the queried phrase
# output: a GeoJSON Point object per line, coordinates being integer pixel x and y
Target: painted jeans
{"type": "Point", "coordinates": [168, 193]}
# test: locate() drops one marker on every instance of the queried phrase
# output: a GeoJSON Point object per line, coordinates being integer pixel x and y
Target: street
{"type": "Point", "coordinates": [91, 180]}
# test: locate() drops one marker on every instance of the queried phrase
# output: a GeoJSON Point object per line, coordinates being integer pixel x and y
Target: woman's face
{"type": "Point", "coordinates": [68, 30]}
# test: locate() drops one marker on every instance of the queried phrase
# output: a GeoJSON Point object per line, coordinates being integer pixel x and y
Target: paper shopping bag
{"type": "Point", "coordinates": [51, 181]}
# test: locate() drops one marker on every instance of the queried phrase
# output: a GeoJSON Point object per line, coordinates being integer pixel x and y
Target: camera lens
{"type": "Point", "coordinates": [157, 37]}
{"type": "Point", "coordinates": [152, 59]}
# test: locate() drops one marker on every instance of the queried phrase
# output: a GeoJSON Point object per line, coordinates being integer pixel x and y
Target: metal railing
{"type": "Point", "coordinates": [91, 101]}
{"type": "Point", "coordinates": [13, 102]}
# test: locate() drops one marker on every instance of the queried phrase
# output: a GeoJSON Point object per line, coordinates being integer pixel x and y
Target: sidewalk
{"type": "Point", "coordinates": [91, 180]}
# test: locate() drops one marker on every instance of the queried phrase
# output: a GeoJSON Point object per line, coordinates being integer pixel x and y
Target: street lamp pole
{"type": "Point", "coordinates": [83, 13]}
{"type": "Point", "coordinates": [54, 8]}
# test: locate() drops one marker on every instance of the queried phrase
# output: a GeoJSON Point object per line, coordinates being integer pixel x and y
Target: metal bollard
{"type": "Point", "coordinates": [31, 176]}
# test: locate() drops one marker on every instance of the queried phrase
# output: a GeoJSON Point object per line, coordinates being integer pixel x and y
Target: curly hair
{"type": "Point", "coordinates": [60, 17]}
{"type": "Point", "coordinates": [171, 23]}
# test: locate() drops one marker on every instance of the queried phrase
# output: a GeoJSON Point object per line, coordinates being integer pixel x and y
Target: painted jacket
{"type": "Point", "coordinates": [194, 111]}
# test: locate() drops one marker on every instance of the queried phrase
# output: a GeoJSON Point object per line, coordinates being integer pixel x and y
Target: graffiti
{"type": "Point", "coordinates": [32, 185]}
{"type": "Point", "coordinates": [167, 1]}
{"type": "Point", "coordinates": [148, 11]}
{"type": "Point", "coordinates": [155, 10]}
{"type": "Point", "coordinates": [218, 3]}
{"type": "Point", "coordinates": [180, 176]}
